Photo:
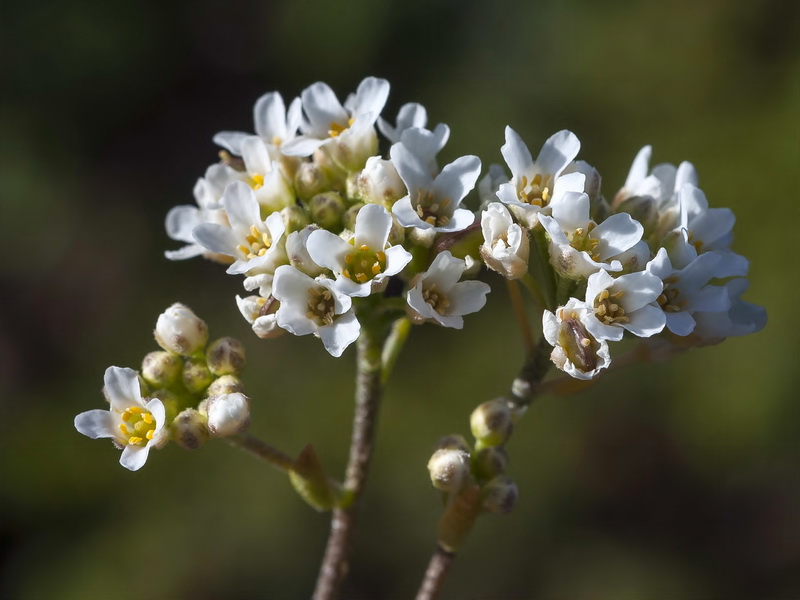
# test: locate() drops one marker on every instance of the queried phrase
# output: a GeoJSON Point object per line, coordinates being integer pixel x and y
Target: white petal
{"type": "Point", "coordinates": [122, 388]}
{"type": "Point", "coordinates": [648, 320]}
{"type": "Point", "coordinates": [572, 212]}
{"type": "Point", "coordinates": [617, 234]}
{"type": "Point", "coordinates": [558, 151]}
{"type": "Point", "coordinates": [322, 108]}
{"type": "Point", "coordinates": [516, 154]}
{"type": "Point", "coordinates": [639, 168]}
{"type": "Point", "coordinates": [327, 249]}
{"type": "Point", "coordinates": [184, 253]}
{"type": "Point", "coordinates": [467, 297]}
{"type": "Point", "coordinates": [97, 424]}
{"type": "Point", "coordinates": [445, 271]}
{"type": "Point", "coordinates": [216, 238]}
{"type": "Point", "coordinates": [371, 96]}
{"type": "Point", "coordinates": [412, 170]}
{"type": "Point", "coordinates": [301, 146]}
{"type": "Point", "coordinates": [457, 178]}
{"type": "Point", "coordinates": [397, 258]}
{"type": "Point", "coordinates": [180, 222]}
{"type": "Point", "coordinates": [255, 156]}
{"type": "Point", "coordinates": [406, 215]}
{"type": "Point", "coordinates": [231, 141]}
{"type": "Point", "coordinates": [133, 456]}
{"type": "Point", "coordinates": [373, 223]}
{"type": "Point", "coordinates": [680, 323]}
{"type": "Point", "coordinates": [241, 206]}
{"type": "Point", "coordinates": [344, 331]}
{"type": "Point", "coordinates": [639, 289]}
{"type": "Point", "coordinates": [269, 114]}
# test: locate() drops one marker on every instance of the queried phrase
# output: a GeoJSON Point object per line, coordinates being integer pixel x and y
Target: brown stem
{"type": "Point", "coordinates": [435, 575]}
{"type": "Point", "coordinates": [368, 391]}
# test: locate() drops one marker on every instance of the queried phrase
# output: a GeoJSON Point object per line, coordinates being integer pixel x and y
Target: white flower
{"type": "Point", "coordinates": [181, 220]}
{"type": "Point", "coordinates": [433, 203]}
{"type": "Point", "coordinates": [366, 260]}
{"type": "Point", "coordinates": [624, 303]}
{"type": "Point", "coordinates": [438, 296]}
{"type": "Point", "coordinates": [253, 242]}
{"type": "Point", "coordinates": [425, 144]}
{"type": "Point", "coordinates": [742, 318]}
{"type": "Point", "coordinates": [537, 186]}
{"type": "Point", "coordinates": [228, 414]}
{"type": "Point", "coordinates": [315, 306]}
{"type": "Point", "coordinates": [181, 331]}
{"type": "Point", "coordinates": [506, 245]}
{"type": "Point", "coordinates": [272, 188]}
{"type": "Point", "coordinates": [346, 132]}
{"type": "Point", "coordinates": [578, 246]}
{"type": "Point", "coordinates": [410, 115]}
{"type": "Point", "coordinates": [273, 124]}
{"type": "Point", "coordinates": [687, 290]}
{"type": "Point", "coordinates": [706, 228]}
{"type": "Point", "coordinates": [260, 313]}
{"type": "Point", "coordinates": [575, 350]}
{"type": "Point", "coordinates": [662, 184]}
{"type": "Point", "coordinates": [133, 423]}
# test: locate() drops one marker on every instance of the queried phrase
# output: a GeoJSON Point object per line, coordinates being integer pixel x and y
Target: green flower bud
{"type": "Point", "coordinates": [161, 369]}
{"type": "Point", "coordinates": [225, 356]}
{"type": "Point", "coordinates": [327, 210]}
{"type": "Point", "coordinates": [181, 331]}
{"type": "Point", "coordinates": [449, 469]}
{"type": "Point", "coordinates": [294, 218]}
{"type": "Point", "coordinates": [227, 384]}
{"type": "Point", "coordinates": [453, 442]}
{"type": "Point", "coordinates": [491, 422]}
{"type": "Point", "coordinates": [489, 462]}
{"type": "Point", "coordinates": [349, 218]}
{"type": "Point", "coordinates": [310, 180]}
{"type": "Point", "coordinates": [499, 496]}
{"type": "Point", "coordinates": [196, 375]}
{"type": "Point", "coordinates": [189, 429]}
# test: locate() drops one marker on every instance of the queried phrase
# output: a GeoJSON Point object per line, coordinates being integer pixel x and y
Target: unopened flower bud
{"type": "Point", "coordinates": [196, 375]}
{"type": "Point", "coordinates": [506, 246]}
{"type": "Point", "coordinates": [349, 217]}
{"type": "Point", "coordinates": [491, 422]}
{"type": "Point", "coordinates": [227, 384]}
{"type": "Point", "coordinates": [225, 356]}
{"type": "Point", "coordinates": [449, 469]}
{"type": "Point", "coordinates": [297, 250]}
{"type": "Point", "coordinates": [294, 218]}
{"type": "Point", "coordinates": [181, 331]}
{"type": "Point", "coordinates": [499, 496]}
{"type": "Point", "coordinates": [489, 462]}
{"type": "Point", "coordinates": [379, 182]}
{"type": "Point", "coordinates": [189, 429]}
{"type": "Point", "coordinates": [161, 369]}
{"type": "Point", "coordinates": [310, 180]}
{"type": "Point", "coordinates": [327, 210]}
{"type": "Point", "coordinates": [228, 414]}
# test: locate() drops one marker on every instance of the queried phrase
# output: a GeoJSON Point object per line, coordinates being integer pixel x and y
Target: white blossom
{"type": "Point", "coordinates": [437, 295]}
{"type": "Point", "coordinates": [410, 115]}
{"type": "Point", "coordinates": [506, 246]}
{"type": "Point", "coordinates": [133, 423]}
{"type": "Point", "coordinates": [315, 306]}
{"type": "Point", "coordinates": [260, 311]}
{"type": "Point", "coordinates": [366, 260]}
{"type": "Point", "coordinates": [228, 414]}
{"type": "Point", "coordinates": [575, 350]}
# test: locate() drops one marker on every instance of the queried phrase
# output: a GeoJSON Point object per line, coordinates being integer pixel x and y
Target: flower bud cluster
{"type": "Point", "coordinates": [314, 218]}
{"type": "Point", "coordinates": [187, 392]}
{"type": "Point", "coordinates": [455, 466]}
{"type": "Point", "coordinates": [656, 261]}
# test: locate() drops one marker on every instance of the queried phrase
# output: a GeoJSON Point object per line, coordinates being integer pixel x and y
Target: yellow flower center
{"type": "Point", "coordinates": [364, 264]}
{"type": "Point", "coordinates": [670, 300]}
{"type": "Point", "coordinates": [438, 301]}
{"type": "Point", "coordinates": [607, 308]}
{"type": "Point", "coordinates": [428, 208]}
{"type": "Point", "coordinates": [257, 181]}
{"type": "Point", "coordinates": [321, 306]}
{"type": "Point", "coordinates": [336, 128]}
{"type": "Point", "coordinates": [138, 425]}
{"type": "Point", "coordinates": [537, 191]}
{"type": "Point", "coordinates": [258, 242]}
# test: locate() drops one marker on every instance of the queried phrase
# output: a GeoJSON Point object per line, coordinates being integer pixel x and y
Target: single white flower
{"type": "Point", "coordinates": [626, 302]}
{"type": "Point", "coordinates": [346, 132]}
{"type": "Point", "coordinates": [365, 261]}
{"type": "Point", "coordinates": [228, 414]}
{"type": "Point", "coordinates": [181, 331]}
{"type": "Point", "coordinates": [315, 306]}
{"type": "Point", "coordinates": [253, 243]}
{"type": "Point", "coordinates": [134, 424]}
{"type": "Point", "coordinates": [434, 203]}
{"type": "Point", "coordinates": [575, 350]}
{"type": "Point", "coordinates": [272, 187]}
{"type": "Point", "coordinates": [537, 186]}
{"type": "Point", "coordinates": [688, 290]}
{"type": "Point", "coordinates": [410, 115]}
{"type": "Point", "coordinates": [706, 228]}
{"type": "Point", "coordinates": [273, 124]}
{"type": "Point", "coordinates": [437, 295]}
{"type": "Point", "coordinates": [506, 246]}
{"type": "Point", "coordinates": [580, 247]}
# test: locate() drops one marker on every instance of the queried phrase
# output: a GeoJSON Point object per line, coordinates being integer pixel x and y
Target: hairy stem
{"type": "Point", "coordinates": [262, 450]}
{"type": "Point", "coordinates": [435, 574]}
{"type": "Point", "coordinates": [335, 562]}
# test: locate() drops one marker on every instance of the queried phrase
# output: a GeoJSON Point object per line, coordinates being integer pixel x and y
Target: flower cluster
{"type": "Point", "coordinates": [655, 260]}
{"type": "Point", "coordinates": [319, 223]}
{"type": "Point", "coordinates": [187, 392]}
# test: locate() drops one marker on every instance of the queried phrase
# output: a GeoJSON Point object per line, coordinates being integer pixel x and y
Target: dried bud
{"type": "Point", "coordinates": [189, 429]}
{"type": "Point", "coordinates": [228, 414]}
{"type": "Point", "coordinates": [449, 469]}
{"type": "Point", "coordinates": [227, 384]}
{"type": "Point", "coordinates": [225, 356]}
{"type": "Point", "coordinates": [327, 210]}
{"type": "Point", "coordinates": [180, 331]}
{"type": "Point", "coordinates": [499, 496]}
{"type": "Point", "coordinates": [196, 376]}
{"type": "Point", "coordinates": [489, 462]}
{"type": "Point", "coordinates": [161, 369]}
{"type": "Point", "coordinates": [491, 422]}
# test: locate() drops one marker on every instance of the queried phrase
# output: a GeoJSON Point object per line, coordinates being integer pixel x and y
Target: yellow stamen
{"type": "Point", "coordinates": [123, 428]}
{"type": "Point", "coordinates": [134, 440]}
{"type": "Point", "coordinates": [149, 434]}
{"type": "Point", "coordinates": [147, 418]}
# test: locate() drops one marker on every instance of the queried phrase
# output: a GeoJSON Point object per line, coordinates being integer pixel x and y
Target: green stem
{"type": "Point", "coordinates": [391, 351]}
{"type": "Point", "coordinates": [262, 450]}
{"type": "Point", "coordinates": [368, 392]}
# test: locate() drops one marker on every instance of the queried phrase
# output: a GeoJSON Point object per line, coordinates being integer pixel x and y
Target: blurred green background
{"type": "Point", "coordinates": [676, 481]}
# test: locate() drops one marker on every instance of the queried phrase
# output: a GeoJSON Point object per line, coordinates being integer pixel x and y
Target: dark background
{"type": "Point", "coordinates": [677, 481]}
